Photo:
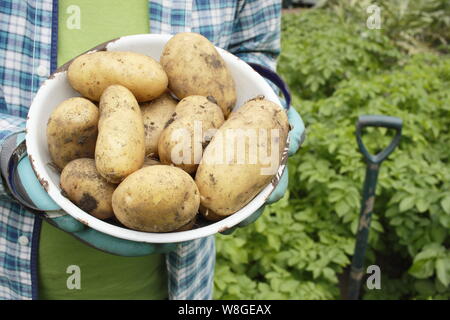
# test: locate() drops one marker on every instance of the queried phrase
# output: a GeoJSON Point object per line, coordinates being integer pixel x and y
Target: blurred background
{"type": "Point", "coordinates": [339, 65]}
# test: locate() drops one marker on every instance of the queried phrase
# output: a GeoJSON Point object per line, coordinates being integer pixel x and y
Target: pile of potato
{"type": "Point", "coordinates": [115, 145]}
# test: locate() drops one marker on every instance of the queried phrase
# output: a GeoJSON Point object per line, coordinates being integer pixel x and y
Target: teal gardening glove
{"type": "Point", "coordinates": [55, 216]}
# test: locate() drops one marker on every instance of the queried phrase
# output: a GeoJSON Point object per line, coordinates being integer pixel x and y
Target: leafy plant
{"type": "Point", "coordinates": [301, 247]}
{"type": "Point", "coordinates": [414, 25]}
{"type": "Point", "coordinates": [413, 190]}
{"type": "Point", "coordinates": [319, 52]}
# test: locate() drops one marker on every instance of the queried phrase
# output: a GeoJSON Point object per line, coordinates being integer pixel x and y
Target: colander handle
{"type": "Point", "coordinates": [10, 156]}
{"type": "Point", "coordinates": [275, 79]}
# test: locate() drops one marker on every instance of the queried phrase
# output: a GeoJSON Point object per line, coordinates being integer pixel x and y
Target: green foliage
{"type": "Point", "coordinates": [414, 25]}
{"type": "Point", "coordinates": [276, 258]}
{"type": "Point", "coordinates": [413, 190]}
{"type": "Point", "coordinates": [317, 54]}
{"type": "Point", "coordinates": [301, 247]}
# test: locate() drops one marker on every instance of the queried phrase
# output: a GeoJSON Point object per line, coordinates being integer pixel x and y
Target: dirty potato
{"type": "Point", "coordinates": [194, 67]}
{"type": "Point", "coordinates": [91, 73]}
{"type": "Point", "coordinates": [72, 131]}
{"type": "Point", "coordinates": [85, 187]}
{"type": "Point", "coordinates": [155, 114]}
{"type": "Point", "coordinates": [227, 182]}
{"type": "Point", "coordinates": [157, 198]}
{"type": "Point", "coordinates": [189, 130]}
{"type": "Point", "coordinates": [120, 148]}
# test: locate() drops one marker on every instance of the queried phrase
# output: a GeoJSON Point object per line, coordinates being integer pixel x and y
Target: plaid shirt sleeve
{"type": "Point", "coordinates": [191, 270]}
{"type": "Point", "coordinates": [256, 32]}
{"type": "Point", "coordinates": [25, 29]}
{"type": "Point", "coordinates": [8, 125]}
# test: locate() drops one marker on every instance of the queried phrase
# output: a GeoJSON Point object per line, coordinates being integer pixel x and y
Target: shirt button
{"type": "Point", "coordinates": [23, 240]}
{"type": "Point", "coordinates": [42, 71]}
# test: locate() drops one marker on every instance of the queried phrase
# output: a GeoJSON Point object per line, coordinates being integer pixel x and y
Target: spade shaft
{"type": "Point", "coordinates": [370, 182]}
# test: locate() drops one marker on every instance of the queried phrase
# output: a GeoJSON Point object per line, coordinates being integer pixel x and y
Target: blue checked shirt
{"type": "Point", "coordinates": [248, 28]}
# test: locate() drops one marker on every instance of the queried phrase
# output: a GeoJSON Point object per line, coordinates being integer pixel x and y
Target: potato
{"type": "Point", "coordinates": [72, 131]}
{"type": "Point", "coordinates": [188, 131]}
{"type": "Point", "coordinates": [194, 67]}
{"type": "Point", "coordinates": [84, 186]}
{"type": "Point", "coordinates": [228, 181]}
{"type": "Point", "coordinates": [91, 73]}
{"type": "Point", "coordinates": [120, 148]}
{"type": "Point", "coordinates": [155, 114]}
{"type": "Point", "coordinates": [157, 198]}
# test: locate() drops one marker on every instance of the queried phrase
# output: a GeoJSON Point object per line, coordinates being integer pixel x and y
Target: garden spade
{"type": "Point", "coordinates": [370, 183]}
